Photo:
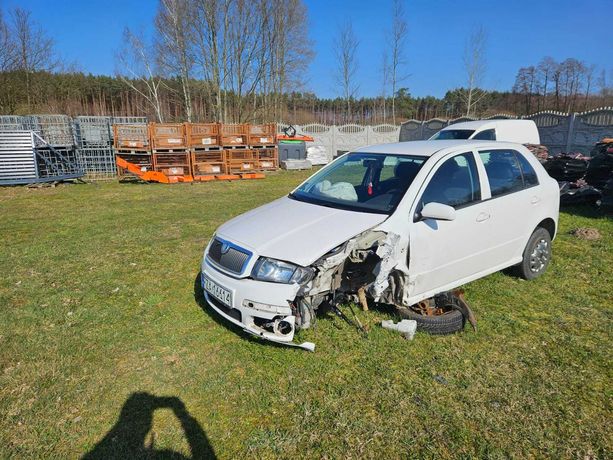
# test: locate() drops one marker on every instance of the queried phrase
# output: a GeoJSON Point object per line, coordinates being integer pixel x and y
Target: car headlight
{"type": "Point", "coordinates": [278, 271]}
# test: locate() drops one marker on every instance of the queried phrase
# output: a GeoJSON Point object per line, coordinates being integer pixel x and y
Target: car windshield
{"type": "Point", "coordinates": [367, 182]}
{"type": "Point", "coordinates": [447, 134]}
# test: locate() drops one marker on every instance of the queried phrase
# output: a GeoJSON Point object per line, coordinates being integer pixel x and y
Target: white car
{"type": "Point", "coordinates": [521, 131]}
{"type": "Point", "coordinates": [399, 223]}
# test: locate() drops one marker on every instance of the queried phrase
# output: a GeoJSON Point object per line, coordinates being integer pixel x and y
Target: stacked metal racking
{"type": "Point", "coordinates": [131, 143]}
{"type": "Point", "coordinates": [175, 151]}
{"type": "Point", "coordinates": [94, 146]}
{"type": "Point", "coordinates": [26, 158]}
{"type": "Point", "coordinates": [263, 141]}
{"type": "Point", "coordinates": [208, 159]}
{"type": "Point", "coordinates": [169, 149]}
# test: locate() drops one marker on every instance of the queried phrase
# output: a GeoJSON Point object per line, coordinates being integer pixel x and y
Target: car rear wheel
{"type": "Point", "coordinates": [537, 255]}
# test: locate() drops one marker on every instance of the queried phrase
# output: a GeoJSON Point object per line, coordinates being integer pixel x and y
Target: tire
{"type": "Point", "coordinates": [537, 255]}
{"type": "Point", "coordinates": [448, 323]}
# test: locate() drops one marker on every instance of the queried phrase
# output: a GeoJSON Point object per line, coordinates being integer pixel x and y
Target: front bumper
{"type": "Point", "coordinates": [253, 304]}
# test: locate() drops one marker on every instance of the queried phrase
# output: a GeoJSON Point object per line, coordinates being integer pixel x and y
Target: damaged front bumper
{"type": "Point", "coordinates": [261, 309]}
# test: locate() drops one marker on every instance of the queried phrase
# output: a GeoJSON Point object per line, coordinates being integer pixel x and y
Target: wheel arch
{"type": "Point", "coordinates": [548, 224]}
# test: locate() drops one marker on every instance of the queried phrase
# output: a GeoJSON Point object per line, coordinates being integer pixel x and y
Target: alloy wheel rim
{"type": "Point", "coordinates": [539, 256]}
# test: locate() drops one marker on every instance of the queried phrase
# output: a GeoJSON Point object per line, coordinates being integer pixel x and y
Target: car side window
{"type": "Point", "coordinates": [487, 135]}
{"type": "Point", "coordinates": [530, 177]}
{"type": "Point", "coordinates": [503, 171]}
{"type": "Point", "coordinates": [455, 183]}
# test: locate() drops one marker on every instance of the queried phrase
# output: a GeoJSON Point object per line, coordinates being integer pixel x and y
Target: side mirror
{"type": "Point", "coordinates": [438, 211]}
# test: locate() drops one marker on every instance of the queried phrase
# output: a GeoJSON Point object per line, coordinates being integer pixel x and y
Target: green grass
{"type": "Point", "coordinates": [98, 307]}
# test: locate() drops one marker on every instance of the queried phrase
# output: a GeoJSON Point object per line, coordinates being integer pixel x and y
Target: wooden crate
{"type": "Point", "coordinates": [202, 135]}
{"type": "Point", "coordinates": [209, 163]}
{"type": "Point", "coordinates": [143, 160]}
{"type": "Point", "coordinates": [167, 136]}
{"type": "Point", "coordinates": [234, 134]}
{"type": "Point", "coordinates": [172, 164]}
{"type": "Point", "coordinates": [241, 160]}
{"type": "Point", "coordinates": [265, 134]}
{"type": "Point", "coordinates": [131, 137]}
{"type": "Point", "coordinates": [268, 158]}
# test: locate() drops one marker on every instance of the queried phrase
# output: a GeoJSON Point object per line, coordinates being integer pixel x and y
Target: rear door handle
{"type": "Point", "coordinates": [483, 216]}
{"type": "Point", "coordinates": [535, 200]}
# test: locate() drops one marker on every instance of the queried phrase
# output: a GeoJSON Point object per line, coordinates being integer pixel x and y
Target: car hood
{"type": "Point", "coordinates": [295, 231]}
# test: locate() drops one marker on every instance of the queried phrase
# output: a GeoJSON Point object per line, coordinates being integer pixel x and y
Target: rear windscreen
{"type": "Point", "coordinates": [453, 134]}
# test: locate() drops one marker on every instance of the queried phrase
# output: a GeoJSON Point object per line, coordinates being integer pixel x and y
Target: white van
{"type": "Point", "coordinates": [399, 222]}
{"type": "Point", "coordinates": [520, 131]}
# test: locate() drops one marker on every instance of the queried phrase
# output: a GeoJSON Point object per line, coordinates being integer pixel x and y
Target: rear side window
{"type": "Point", "coordinates": [487, 135]}
{"type": "Point", "coordinates": [455, 183]}
{"type": "Point", "coordinates": [530, 177]}
{"type": "Point", "coordinates": [507, 171]}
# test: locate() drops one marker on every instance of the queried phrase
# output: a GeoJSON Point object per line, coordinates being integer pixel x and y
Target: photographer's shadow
{"type": "Point", "coordinates": [127, 439]}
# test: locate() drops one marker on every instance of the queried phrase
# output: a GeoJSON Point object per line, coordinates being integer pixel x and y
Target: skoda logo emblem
{"type": "Point", "coordinates": [224, 247]}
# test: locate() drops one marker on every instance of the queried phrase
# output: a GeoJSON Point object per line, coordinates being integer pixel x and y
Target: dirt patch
{"type": "Point", "coordinates": [586, 233]}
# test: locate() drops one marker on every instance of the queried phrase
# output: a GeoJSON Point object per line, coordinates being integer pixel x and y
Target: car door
{"type": "Point", "coordinates": [515, 202]}
{"type": "Point", "coordinates": [445, 254]}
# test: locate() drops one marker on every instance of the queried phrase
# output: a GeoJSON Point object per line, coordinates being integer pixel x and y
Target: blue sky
{"type": "Point", "coordinates": [520, 33]}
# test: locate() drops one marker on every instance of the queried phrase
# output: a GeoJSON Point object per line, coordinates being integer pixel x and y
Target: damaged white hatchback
{"type": "Point", "coordinates": [394, 223]}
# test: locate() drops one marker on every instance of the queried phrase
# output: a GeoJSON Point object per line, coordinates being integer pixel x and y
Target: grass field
{"type": "Point", "coordinates": [107, 349]}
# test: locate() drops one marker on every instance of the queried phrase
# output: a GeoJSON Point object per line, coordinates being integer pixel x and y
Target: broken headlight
{"type": "Point", "coordinates": [278, 271]}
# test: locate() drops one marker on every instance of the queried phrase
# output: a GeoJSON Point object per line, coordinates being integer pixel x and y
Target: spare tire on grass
{"type": "Point", "coordinates": [449, 322]}
{"type": "Point", "coordinates": [445, 313]}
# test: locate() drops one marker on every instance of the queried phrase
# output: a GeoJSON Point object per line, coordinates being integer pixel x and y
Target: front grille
{"type": "Point", "coordinates": [228, 256]}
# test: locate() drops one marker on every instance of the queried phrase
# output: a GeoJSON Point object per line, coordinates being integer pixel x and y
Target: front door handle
{"type": "Point", "coordinates": [483, 216]}
{"type": "Point", "coordinates": [535, 200]}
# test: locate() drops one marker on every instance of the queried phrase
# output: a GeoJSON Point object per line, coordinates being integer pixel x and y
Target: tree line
{"type": "Point", "coordinates": [241, 60]}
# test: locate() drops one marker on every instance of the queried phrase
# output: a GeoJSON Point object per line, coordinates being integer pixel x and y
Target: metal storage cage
{"type": "Point", "coordinates": [261, 135]}
{"type": "Point", "coordinates": [13, 122]}
{"type": "Point", "coordinates": [234, 134]}
{"type": "Point", "coordinates": [167, 136]}
{"type": "Point", "coordinates": [56, 130]}
{"type": "Point", "coordinates": [131, 137]}
{"type": "Point", "coordinates": [97, 163]}
{"type": "Point", "coordinates": [202, 135]}
{"type": "Point", "coordinates": [93, 132]}
{"type": "Point", "coordinates": [95, 147]}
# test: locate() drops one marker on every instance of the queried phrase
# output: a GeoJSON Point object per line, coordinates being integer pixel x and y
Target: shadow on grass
{"type": "Point", "coordinates": [127, 439]}
{"type": "Point", "coordinates": [204, 305]}
{"type": "Point", "coordinates": [324, 312]}
{"type": "Point", "coordinates": [587, 210]}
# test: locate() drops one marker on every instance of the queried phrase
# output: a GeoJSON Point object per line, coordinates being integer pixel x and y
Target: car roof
{"type": "Point", "coordinates": [429, 148]}
{"type": "Point", "coordinates": [470, 125]}
{"type": "Point", "coordinates": [479, 124]}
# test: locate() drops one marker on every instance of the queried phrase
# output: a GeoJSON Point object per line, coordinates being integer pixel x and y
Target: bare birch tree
{"type": "Point", "coordinates": [346, 45]}
{"type": "Point", "coordinates": [546, 69]}
{"type": "Point", "coordinates": [7, 47]}
{"type": "Point", "coordinates": [397, 39]}
{"type": "Point", "coordinates": [136, 68]}
{"type": "Point", "coordinates": [247, 56]}
{"type": "Point", "coordinates": [475, 64]}
{"type": "Point", "coordinates": [174, 45]}
{"type": "Point", "coordinates": [385, 68]}
{"type": "Point", "coordinates": [210, 19]}
{"type": "Point", "coordinates": [34, 50]}
{"type": "Point", "coordinates": [290, 51]}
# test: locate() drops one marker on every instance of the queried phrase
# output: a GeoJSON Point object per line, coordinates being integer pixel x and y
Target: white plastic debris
{"type": "Point", "coordinates": [340, 190]}
{"type": "Point", "coordinates": [406, 327]}
{"type": "Point", "coordinates": [296, 164]}
{"type": "Point", "coordinates": [317, 155]}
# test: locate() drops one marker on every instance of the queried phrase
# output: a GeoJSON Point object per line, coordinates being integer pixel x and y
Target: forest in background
{"type": "Point", "coordinates": [239, 61]}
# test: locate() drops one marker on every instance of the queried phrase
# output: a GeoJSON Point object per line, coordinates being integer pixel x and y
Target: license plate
{"type": "Point", "coordinates": [217, 291]}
